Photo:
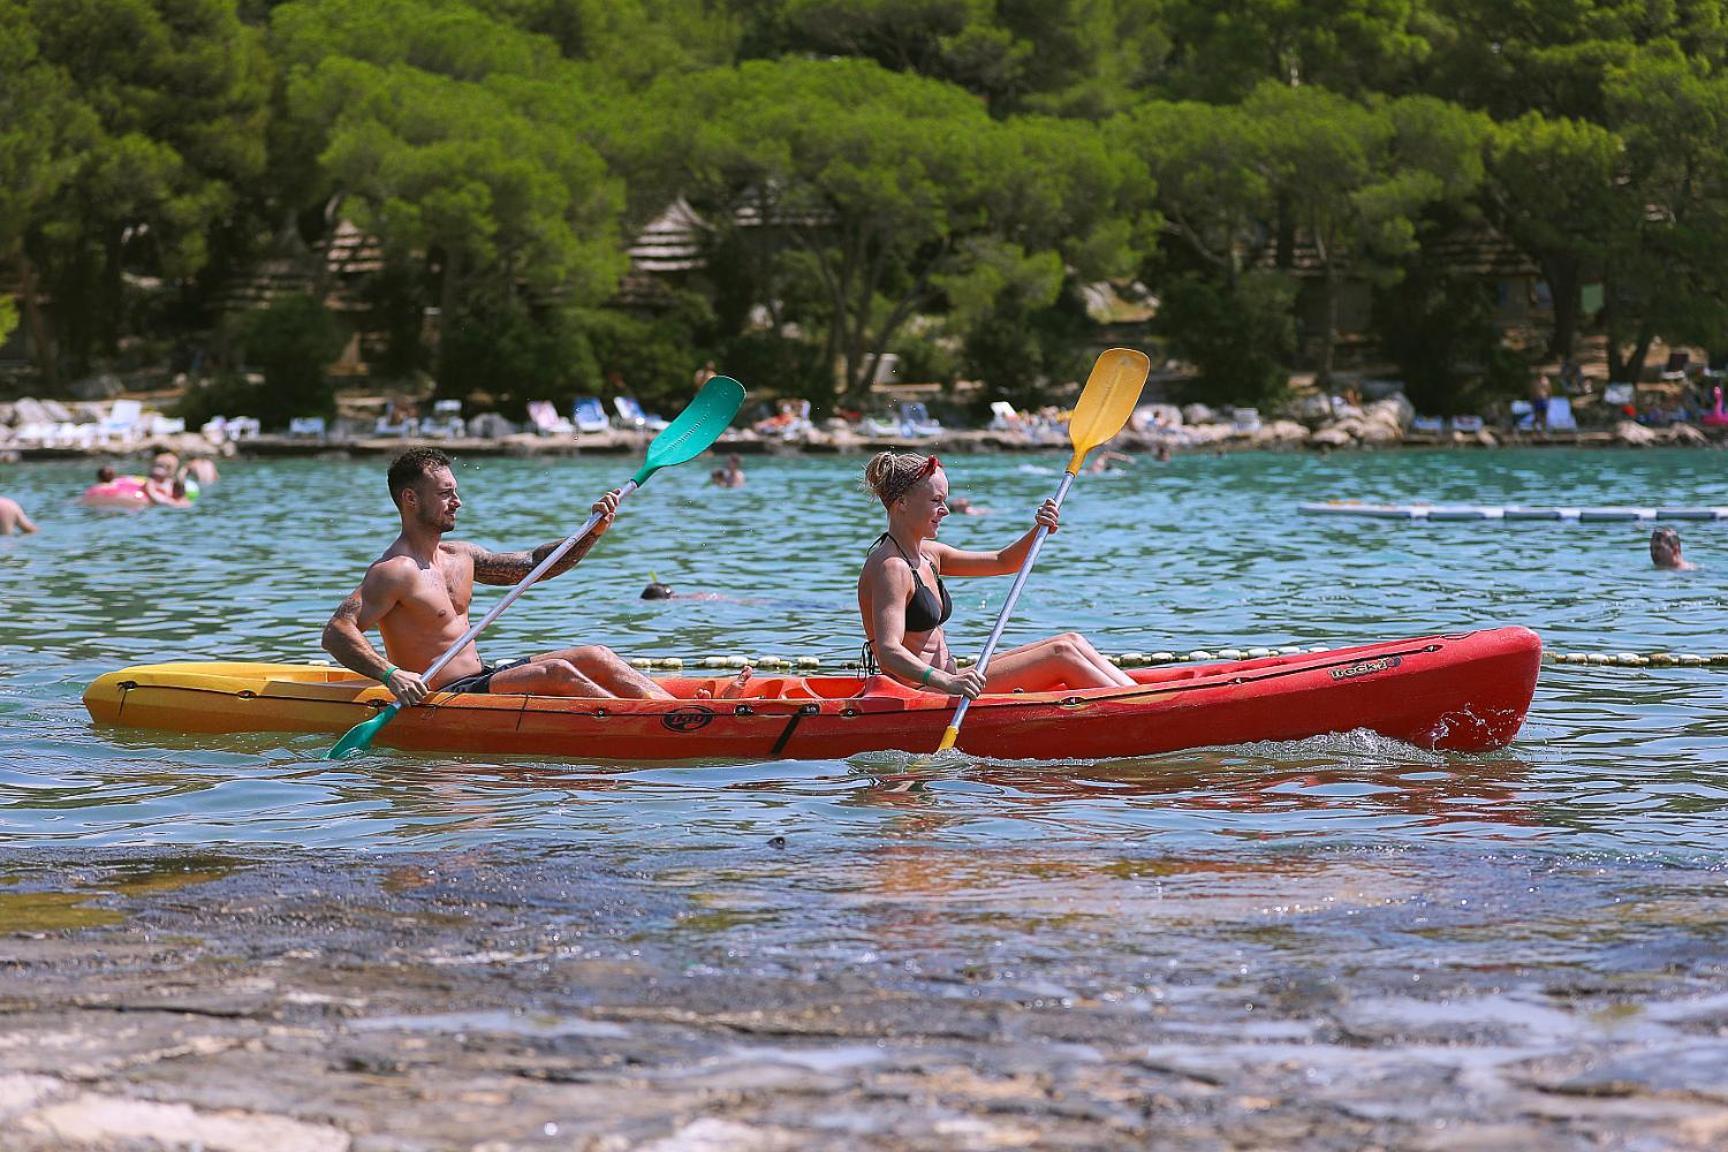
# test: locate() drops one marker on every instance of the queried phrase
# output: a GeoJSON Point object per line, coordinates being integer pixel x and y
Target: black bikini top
{"type": "Point", "coordinates": [923, 613]}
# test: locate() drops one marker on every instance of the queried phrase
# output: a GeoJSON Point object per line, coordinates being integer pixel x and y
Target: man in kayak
{"type": "Point", "coordinates": [904, 604]}
{"type": "Point", "coordinates": [418, 592]}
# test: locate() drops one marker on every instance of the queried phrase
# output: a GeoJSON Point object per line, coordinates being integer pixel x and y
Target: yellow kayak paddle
{"type": "Point", "coordinates": [1108, 400]}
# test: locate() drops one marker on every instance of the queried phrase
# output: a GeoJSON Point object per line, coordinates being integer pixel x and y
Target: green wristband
{"type": "Point", "coordinates": [925, 679]}
{"type": "Point", "coordinates": [388, 672]}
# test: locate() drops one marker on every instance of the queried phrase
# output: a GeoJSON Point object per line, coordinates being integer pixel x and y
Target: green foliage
{"type": "Point", "coordinates": [513, 354]}
{"type": "Point", "coordinates": [932, 177]}
{"type": "Point", "coordinates": [497, 346]}
{"type": "Point", "coordinates": [1669, 271]}
{"type": "Point", "coordinates": [1437, 325]}
{"type": "Point", "coordinates": [883, 187]}
{"type": "Point", "coordinates": [168, 103]}
{"type": "Point", "coordinates": [292, 343]}
{"type": "Point", "coordinates": [1021, 352]}
{"type": "Point", "coordinates": [1210, 174]}
{"type": "Point", "coordinates": [1226, 50]}
{"type": "Point", "coordinates": [43, 128]}
{"type": "Point", "coordinates": [769, 362]}
{"type": "Point", "coordinates": [1239, 336]}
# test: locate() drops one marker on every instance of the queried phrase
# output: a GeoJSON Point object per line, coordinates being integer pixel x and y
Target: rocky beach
{"type": "Point", "coordinates": [753, 999]}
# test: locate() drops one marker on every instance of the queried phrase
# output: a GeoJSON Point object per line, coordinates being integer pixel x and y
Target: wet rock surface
{"type": "Point", "coordinates": [914, 997]}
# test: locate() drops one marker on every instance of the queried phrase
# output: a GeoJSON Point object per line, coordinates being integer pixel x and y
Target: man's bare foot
{"type": "Point", "coordinates": [739, 682]}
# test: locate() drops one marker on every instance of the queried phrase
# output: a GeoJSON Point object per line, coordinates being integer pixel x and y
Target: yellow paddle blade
{"type": "Point", "coordinates": [1108, 400]}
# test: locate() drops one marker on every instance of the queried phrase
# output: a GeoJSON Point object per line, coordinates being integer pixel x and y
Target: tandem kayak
{"type": "Point", "coordinates": [1465, 693]}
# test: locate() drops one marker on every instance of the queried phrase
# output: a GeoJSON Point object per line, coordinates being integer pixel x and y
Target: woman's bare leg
{"type": "Point", "coordinates": [1066, 659]}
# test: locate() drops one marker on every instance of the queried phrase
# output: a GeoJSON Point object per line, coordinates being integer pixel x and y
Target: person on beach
{"type": "Point", "coordinates": [904, 604]}
{"type": "Point", "coordinates": [1665, 551]}
{"type": "Point", "coordinates": [704, 374]}
{"type": "Point", "coordinates": [12, 518]}
{"type": "Point", "coordinates": [418, 592]}
{"type": "Point", "coordinates": [729, 474]}
{"type": "Point", "coordinates": [1541, 390]}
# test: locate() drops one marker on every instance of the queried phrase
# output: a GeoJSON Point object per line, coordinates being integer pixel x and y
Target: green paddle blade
{"type": "Point", "coordinates": [697, 427]}
{"type": "Point", "coordinates": [359, 738]}
{"type": "Point", "coordinates": [1111, 393]}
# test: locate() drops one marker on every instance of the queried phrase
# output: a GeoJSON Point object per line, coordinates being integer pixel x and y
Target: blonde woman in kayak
{"type": "Point", "coordinates": [904, 603]}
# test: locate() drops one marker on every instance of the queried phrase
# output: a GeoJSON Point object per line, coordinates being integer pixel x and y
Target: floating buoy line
{"type": "Point", "coordinates": [1604, 515]}
{"type": "Point", "coordinates": [1195, 656]}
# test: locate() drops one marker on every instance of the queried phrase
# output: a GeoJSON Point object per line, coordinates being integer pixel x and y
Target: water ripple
{"type": "Point", "coordinates": [1201, 551]}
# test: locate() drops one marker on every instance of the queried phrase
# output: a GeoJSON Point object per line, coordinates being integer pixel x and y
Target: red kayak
{"type": "Point", "coordinates": [1462, 693]}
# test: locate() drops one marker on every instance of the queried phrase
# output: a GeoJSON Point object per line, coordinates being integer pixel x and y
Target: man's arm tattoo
{"type": "Point", "coordinates": [513, 567]}
{"type": "Point", "coordinates": [349, 609]}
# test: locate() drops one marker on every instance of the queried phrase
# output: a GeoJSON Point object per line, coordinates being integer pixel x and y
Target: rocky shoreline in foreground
{"type": "Point", "coordinates": [509, 1000]}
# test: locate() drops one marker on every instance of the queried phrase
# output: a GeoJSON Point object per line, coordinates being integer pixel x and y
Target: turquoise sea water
{"type": "Point", "coordinates": [1198, 552]}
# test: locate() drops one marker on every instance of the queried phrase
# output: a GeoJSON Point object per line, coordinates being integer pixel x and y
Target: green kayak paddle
{"type": "Point", "coordinates": [691, 434]}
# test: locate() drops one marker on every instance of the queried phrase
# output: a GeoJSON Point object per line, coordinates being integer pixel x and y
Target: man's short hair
{"type": "Point", "coordinates": [410, 466]}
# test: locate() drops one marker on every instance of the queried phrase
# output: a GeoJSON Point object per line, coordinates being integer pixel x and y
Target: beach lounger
{"type": "Point", "coordinates": [915, 420]}
{"type": "Point", "coordinates": [590, 415]}
{"type": "Point", "coordinates": [307, 427]}
{"type": "Point", "coordinates": [123, 424]}
{"type": "Point", "coordinates": [1560, 418]}
{"type": "Point", "coordinates": [546, 420]}
{"type": "Point", "coordinates": [630, 413]}
{"type": "Point", "coordinates": [445, 421]}
{"type": "Point", "coordinates": [1523, 415]}
{"type": "Point", "coordinates": [1470, 425]}
{"type": "Point", "coordinates": [1431, 425]}
{"type": "Point", "coordinates": [1003, 418]}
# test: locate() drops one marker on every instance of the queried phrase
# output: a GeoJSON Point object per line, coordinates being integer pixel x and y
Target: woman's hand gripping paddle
{"type": "Point", "coordinates": [691, 434]}
{"type": "Point", "coordinates": [1108, 400]}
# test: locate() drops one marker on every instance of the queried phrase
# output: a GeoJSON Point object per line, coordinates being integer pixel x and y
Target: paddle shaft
{"type": "Point", "coordinates": [528, 582]}
{"type": "Point", "coordinates": [983, 664]}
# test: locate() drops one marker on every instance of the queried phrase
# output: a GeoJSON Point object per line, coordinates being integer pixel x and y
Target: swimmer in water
{"type": "Point", "coordinates": [1103, 461]}
{"type": "Point", "coordinates": [1665, 551]}
{"type": "Point", "coordinates": [12, 518]}
{"type": "Point", "coordinates": [728, 475]}
{"type": "Point", "coordinates": [159, 486]}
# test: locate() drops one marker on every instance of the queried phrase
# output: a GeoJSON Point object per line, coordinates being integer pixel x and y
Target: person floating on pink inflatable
{"type": "Point", "coordinates": [161, 487]}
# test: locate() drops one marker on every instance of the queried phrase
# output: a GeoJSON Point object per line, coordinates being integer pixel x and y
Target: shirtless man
{"type": "Point", "coordinates": [417, 595]}
{"type": "Point", "coordinates": [1665, 550]}
{"type": "Point", "coordinates": [12, 518]}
